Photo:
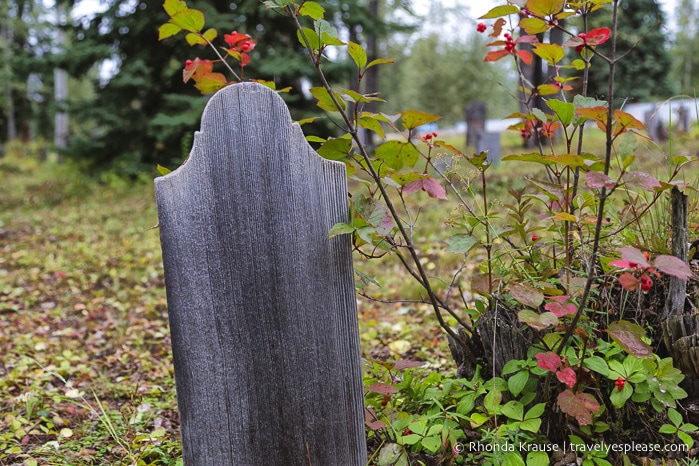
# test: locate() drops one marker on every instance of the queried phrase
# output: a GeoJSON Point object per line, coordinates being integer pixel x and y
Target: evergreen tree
{"type": "Point", "coordinates": [644, 72]}
{"type": "Point", "coordinates": [145, 114]}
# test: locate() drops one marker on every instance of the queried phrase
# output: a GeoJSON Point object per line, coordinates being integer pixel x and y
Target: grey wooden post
{"type": "Point", "coordinates": [261, 303]}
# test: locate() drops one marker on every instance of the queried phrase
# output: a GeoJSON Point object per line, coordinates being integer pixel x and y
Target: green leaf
{"type": "Point", "coordinates": [312, 9]}
{"type": "Point", "coordinates": [565, 111]}
{"type": "Point", "coordinates": [357, 53]}
{"type": "Point", "coordinates": [461, 243]}
{"type": "Point", "coordinates": [335, 148]}
{"type": "Point", "coordinates": [514, 410]}
{"type": "Point", "coordinates": [325, 101]}
{"type": "Point", "coordinates": [619, 397]}
{"type": "Point", "coordinates": [537, 458]}
{"type": "Point", "coordinates": [675, 417]}
{"type": "Point", "coordinates": [189, 20]}
{"type": "Point", "coordinates": [174, 6]}
{"type": "Point", "coordinates": [499, 11]}
{"type": "Point", "coordinates": [311, 36]}
{"type": "Point", "coordinates": [373, 124]}
{"type": "Point", "coordinates": [597, 364]}
{"type": "Point", "coordinates": [517, 382]}
{"type": "Point", "coordinates": [531, 425]}
{"type": "Point", "coordinates": [689, 441]}
{"type": "Point", "coordinates": [412, 118]}
{"type": "Point", "coordinates": [168, 30]}
{"type": "Point", "coordinates": [667, 429]}
{"type": "Point", "coordinates": [535, 411]}
{"type": "Point", "coordinates": [432, 444]}
{"type": "Point", "coordinates": [629, 336]}
{"type": "Point", "coordinates": [397, 154]}
{"type": "Point", "coordinates": [341, 229]}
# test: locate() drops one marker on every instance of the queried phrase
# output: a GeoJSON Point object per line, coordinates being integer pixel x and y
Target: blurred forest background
{"type": "Point", "coordinates": [99, 89]}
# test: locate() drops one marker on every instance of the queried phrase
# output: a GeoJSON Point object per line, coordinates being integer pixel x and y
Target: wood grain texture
{"type": "Point", "coordinates": [261, 303]}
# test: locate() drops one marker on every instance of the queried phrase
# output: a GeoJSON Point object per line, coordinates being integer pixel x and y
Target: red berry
{"type": "Point", "coordinates": [188, 62]}
{"type": "Point", "coordinates": [535, 237]}
{"type": "Point", "coordinates": [428, 136]}
{"type": "Point", "coordinates": [620, 383]}
{"type": "Point", "coordinates": [246, 46]}
{"type": "Point", "coordinates": [434, 134]}
{"type": "Point", "coordinates": [481, 27]}
{"type": "Point", "coordinates": [646, 283]}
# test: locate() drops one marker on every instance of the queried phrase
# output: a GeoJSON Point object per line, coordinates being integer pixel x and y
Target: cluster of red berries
{"type": "Point", "coordinates": [509, 42]}
{"type": "Point", "coordinates": [620, 383]}
{"type": "Point", "coordinates": [481, 27]}
{"type": "Point", "coordinates": [427, 137]}
{"type": "Point", "coordinates": [646, 283]}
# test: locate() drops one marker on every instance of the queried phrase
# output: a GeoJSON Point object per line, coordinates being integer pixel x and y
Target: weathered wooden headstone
{"type": "Point", "coordinates": [476, 114]}
{"type": "Point", "coordinates": [655, 126]}
{"type": "Point", "coordinates": [261, 303]}
{"type": "Point", "coordinates": [683, 119]}
{"type": "Point", "coordinates": [489, 142]}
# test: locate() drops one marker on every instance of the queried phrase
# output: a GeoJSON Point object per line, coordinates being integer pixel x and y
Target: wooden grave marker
{"type": "Point", "coordinates": [262, 306]}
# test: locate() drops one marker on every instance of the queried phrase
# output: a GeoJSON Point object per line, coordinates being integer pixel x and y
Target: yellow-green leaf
{"type": "Point", "coordinates": [210, 34]}
{"type": "Point", "coordinates": [357, 53]}
{"type": "Point", "coordinates": [499, 11]}
{"type": "Point", "coordinates": [312, 9]}
{"type": "Point", "coordinates": [163, 170]}
{"type": "Point", "coordinates": [325, 101]}
{"type": "Point", "coordinates": [174, 6]}
{"type": "Point", "coordinates": [545, 7]}
{"type": "Point", "coordinates": [412, 118]}
{"type": "Point", "coordinates": [552, 53]}
{"type": "Point", "coordinates": [534, 26]}
{"type": "Point", "coordinates": [168, 30]}
{"type": "Point", "coordinates": [195, 39]}
{"type": "Point", "coordinates": [565, 216]}
{"type": "Point", "coordinates": [379, 61]}
{"type": "Point", "coordinates": [189, 20]}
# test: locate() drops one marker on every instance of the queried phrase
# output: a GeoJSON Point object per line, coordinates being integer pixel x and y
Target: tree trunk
{"type": "Point", "coordinates": [60, 134]}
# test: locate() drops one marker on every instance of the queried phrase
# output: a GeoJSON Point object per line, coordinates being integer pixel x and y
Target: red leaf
{"type": "Point", "coordinates": [629, 282]}
{"type": "Point", "coordinates": [496, 55]}
{"type": "Point", "coordinates": [578, 405]}
{"type": "Point", "coordinates": [549, 361]}
{"type": "Point", "coordinates": [382, 388]}
{"type": "Point", "coordinates": [642, 180]}
{"type": "Point", "coordinates": [597, 36]}
{"type": "Point", "coordinates": [597, 180]}
{"type": "Point", "coordinates": [629, 336]}
{"type": "Point", "coordinates": [525, 56]}
{"type": "Point", "coordinates": [561, 310]}
{"type": "Point", "coordinates": [671, 265]}
{"type": "Point", "coordinates": [634, 256]}
{"type": "Point", "coordinates": [371, 421]}
{"type": "Point", "coordinates": [429, 185]}
{"type": "Point", "coordinates": [433, 188]}
{"type": "Point", "coordinates": [567, 376]}
{"type": "Point", "coordinates": [406, 363]}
